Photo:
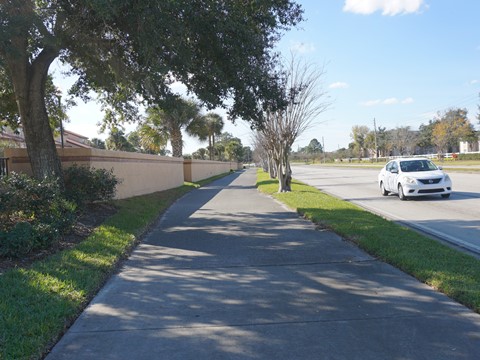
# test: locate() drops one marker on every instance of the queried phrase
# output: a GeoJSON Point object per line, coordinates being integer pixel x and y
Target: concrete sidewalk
{"type": "Point", "coordinates": [229, 273]}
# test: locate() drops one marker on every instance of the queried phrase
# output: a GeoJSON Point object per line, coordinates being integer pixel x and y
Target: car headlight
{"type": "Point", "coordinates": [409, 180]}
{"type": "Point", "coordinates": [446, 178]}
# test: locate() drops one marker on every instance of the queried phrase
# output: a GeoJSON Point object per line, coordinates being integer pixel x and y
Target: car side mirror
{"type": "Point", "coordinates": [394, 171]}
{"type": "Point", "coordinates": [440, 167]}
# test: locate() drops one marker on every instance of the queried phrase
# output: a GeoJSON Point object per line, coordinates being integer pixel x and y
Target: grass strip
{"type": "Point", "coordinates": [452, 272]}
{"type": "Point", "coordinates": [37, 304]}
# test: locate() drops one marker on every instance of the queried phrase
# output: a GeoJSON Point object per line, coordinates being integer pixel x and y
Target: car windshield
{"type": "Point", "coordinates": [417, 165]}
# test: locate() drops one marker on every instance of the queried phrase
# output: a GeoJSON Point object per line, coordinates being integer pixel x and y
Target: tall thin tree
{"type": "Point", "coordinates": [306, 101]}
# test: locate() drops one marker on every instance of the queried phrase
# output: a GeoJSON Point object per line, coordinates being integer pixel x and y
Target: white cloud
{"type": "Point", "coordinates": [474, 82]}
{"type": "Point", "coordinates": [302, 48]}
{"type": "Point", "coordinates": [371, 102]}
{"type": "Point", "coordinates": [388, 7]}
{"type": "Point", "coordinates": [388, 101]}
{"type": "Point", "coordinates": [339, 85]}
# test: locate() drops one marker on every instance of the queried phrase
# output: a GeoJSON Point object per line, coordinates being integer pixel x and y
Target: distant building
{"type": "Point", "coordinates": [72, 140]}
{"type": "Point", "coordinates": [466, 147]}
{"type": "Point", "coordinates": [11, 138]}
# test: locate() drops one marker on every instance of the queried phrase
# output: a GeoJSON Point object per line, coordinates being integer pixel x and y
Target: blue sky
{"type": "Point", "coordinates": [398, 61]}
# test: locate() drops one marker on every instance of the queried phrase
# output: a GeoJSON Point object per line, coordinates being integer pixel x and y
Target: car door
{"type": "Point", "coordinates": [392, 177]}
{"type": "Point", "coordinates": [386, 176]}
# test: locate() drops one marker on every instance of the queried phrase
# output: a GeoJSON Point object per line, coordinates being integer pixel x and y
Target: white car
{"type": "Point", "coordinates": [413, 177]}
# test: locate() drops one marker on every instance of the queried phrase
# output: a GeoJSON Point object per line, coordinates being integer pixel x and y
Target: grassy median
{"type": "Point", "coordinates": [447, 270]}
{"type": "Point", "coordinates": [38, 303]}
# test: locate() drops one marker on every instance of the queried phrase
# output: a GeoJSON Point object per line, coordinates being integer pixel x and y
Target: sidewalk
{"type": "Point", "coordinates": [229, 273]}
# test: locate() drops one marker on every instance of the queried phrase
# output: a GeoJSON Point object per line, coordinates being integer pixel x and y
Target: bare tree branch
{"type": "Point", "coordinates": [306, 101]}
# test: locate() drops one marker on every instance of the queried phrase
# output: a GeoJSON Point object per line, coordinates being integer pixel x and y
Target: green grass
{"type": "Point", "coordinates": [38, 303]}
{"type": "Point", "coordinates": [452, 272]}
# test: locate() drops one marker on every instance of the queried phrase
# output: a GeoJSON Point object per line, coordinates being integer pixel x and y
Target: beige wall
{"type": "Point", "coordinates": [140, 173]}
{"type": "Point", "coordinates": [196, 170]}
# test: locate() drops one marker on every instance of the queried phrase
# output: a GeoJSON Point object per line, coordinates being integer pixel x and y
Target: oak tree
{"type": "Point", "coordinates": [133, 49]}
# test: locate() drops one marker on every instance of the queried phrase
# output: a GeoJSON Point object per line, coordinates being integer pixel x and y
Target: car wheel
{"type": "Point", "coordinates": [401, 195]}
{"type": "Point", "coordinates": [382, 189]}
{"type": "Point", "coordinates": [445, 196]}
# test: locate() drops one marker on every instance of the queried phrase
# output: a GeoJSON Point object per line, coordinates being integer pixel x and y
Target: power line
{"type": "Point", "coordinates": [463, 102]}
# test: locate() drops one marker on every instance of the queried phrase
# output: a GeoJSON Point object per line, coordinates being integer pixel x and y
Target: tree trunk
{"type": "Point", "coordinates": [284, 179]}
{"type": "Point", "coordinates": [272, 167]}
{"type": "Point", "coordinates": [288, 181]}
{"type": "Point", "coordinates": [210, 147]}
{"type": "Point", "coordinates": [29, 85]}
{"type": "Point", "coordinates": [213, 147]}
{"type": "Point", "coordinates": [39, 139]}
{"type": "Point", "coordinates": [284, 172]}
{"type": "Point", "coordinates": [177, 142]}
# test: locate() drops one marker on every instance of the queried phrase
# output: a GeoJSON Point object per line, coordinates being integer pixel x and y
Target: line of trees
{"type": "Point", "coordinates": [159, 126]}
{"type": "Point", "coordinates": [226, 148]}
{"type": "Point", "coordinates": [314, 150]}
{"type": "Point", "coordinates": [442, 134]}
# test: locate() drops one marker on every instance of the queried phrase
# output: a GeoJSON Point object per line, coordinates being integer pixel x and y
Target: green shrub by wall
{"type": "Point", "coordinates": [33, 214]}
{"type": "Point", "coordinates": [85, 185]}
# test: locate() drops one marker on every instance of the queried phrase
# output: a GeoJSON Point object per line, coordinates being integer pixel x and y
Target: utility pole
{"type": "Point", "coordinates": [323, 148]}
{"type": "Point", "coordinates": [375, 133]}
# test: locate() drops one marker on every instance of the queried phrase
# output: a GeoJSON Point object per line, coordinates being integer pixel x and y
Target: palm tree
{"type": "Point", "coordinates": [152, 133]}
{"type": "Point", "coordinates": [207, 127]}
{"type": "Point", "coordinates": [117, 141]}
{"type": "Point", "coordinates": [169, 122]}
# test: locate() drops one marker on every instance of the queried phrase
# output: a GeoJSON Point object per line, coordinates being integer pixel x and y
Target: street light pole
{"type": "Point", "coordinates": [59, 97]}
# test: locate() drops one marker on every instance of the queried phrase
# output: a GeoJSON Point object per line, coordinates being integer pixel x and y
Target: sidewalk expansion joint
{"type": "Point", "coordinates": [347, 262]}
{"type": "Point", "coordinates": [254, 324]}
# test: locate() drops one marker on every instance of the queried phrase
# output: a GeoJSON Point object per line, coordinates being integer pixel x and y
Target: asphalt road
{"type": "Point", "coordinates": [456, 220]}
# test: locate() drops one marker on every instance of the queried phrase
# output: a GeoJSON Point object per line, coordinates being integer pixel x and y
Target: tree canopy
{"type": "Point", "coordinates": [134, 49]}
{"type": "Point", "coordinates": [168, 124]}
{"type": "Point", "coordinates": [9, 115]}
{"type": "Point", "coordinates": [313, 147]}
{"type": "Point", "coordinates": [443, 133]}
{"type": "Point", "coordinates": [207, 127]}
{"type": "Point", "coordinates": [450, 128]}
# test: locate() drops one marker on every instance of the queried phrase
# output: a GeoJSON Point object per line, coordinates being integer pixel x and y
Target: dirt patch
{"type": "Point", "coordinates": [93, 216]}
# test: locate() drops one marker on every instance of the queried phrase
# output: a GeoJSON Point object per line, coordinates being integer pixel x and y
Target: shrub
{"type": "Point", "coordinates": [473, 156]}
{"type": "Point", "coordinates": [85, 185]}
{"type": "Point", "coordinates": [20, 240]}
{"type": "Point", "coordinates": [33, 214]}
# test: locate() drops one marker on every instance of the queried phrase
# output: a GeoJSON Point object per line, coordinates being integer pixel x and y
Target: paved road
{"type": "Point", "coordinates": [231, 274]}
{"type": "Point", "coordinates": [456, 220]}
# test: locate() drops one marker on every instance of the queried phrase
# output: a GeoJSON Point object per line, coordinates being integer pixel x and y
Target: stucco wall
{"type": "Point", "coordinates": [140, 173]}
{"type": "Point", "coordinates": [196, 170]}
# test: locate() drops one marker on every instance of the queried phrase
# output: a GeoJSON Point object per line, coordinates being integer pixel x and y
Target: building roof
{"type": "Point", "coordinates": [65, 131]}
{"type": "Point", "coordinates": [70, 138]}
